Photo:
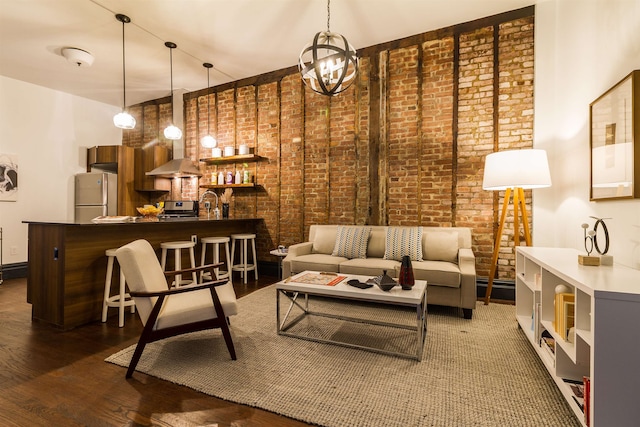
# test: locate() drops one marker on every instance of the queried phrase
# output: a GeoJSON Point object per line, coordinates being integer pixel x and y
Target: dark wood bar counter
{"type": "Point", "coordinates": [67, 262]}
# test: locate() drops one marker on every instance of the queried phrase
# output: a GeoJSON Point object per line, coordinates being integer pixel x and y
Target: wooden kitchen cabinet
{"type": "Point", "coordinates": [147, 159]}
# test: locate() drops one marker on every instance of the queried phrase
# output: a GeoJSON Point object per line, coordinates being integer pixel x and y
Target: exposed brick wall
{"type": "Point", "coordinates": [474, 206]}
{"type": "Point", "coordinates": [414, 128]}
{"type": "Point", "coordinates": [267, 198]}
{"type": "Point", "coordinates": [291, 169]}
{"type": "Point", "coordinates": [515, 124]}
{"type": "Point", "coordinates": [436, 154]}
{"type": "Point", "coordinates": [404, 115]}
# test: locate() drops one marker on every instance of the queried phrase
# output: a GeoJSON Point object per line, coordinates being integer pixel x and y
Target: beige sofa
{"type": "Point", "coordinates": [448, 263]}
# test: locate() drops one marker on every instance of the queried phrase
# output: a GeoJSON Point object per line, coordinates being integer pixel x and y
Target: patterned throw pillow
{"type": "Point", "coordinates": [402, 241]}
{"type": "Point", "coordinates": [351, 242]}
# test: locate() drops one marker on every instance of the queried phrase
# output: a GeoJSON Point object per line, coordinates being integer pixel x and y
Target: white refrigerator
{"type": "Point", "coordinates": [96, 194]}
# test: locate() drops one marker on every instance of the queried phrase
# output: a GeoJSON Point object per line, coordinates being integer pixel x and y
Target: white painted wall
{"type": "Point", "coordinates": [582, 48]}
{"type": "Point", "coordinates": [49, 131]}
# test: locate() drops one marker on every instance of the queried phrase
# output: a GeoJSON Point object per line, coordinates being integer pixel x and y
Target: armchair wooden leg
{"type": "Point", "coordinates": [135, 358]}
{"type": "Point", "coordinates": [227, 339]}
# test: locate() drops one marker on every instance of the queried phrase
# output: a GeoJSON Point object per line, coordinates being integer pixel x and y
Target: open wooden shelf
{"type": "Point", "coordinates": [214, 186]}
{"type": "Point", "coordinates": [242, 158]}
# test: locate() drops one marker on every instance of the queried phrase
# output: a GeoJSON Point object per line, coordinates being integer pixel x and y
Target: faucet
{"type": "Point", "coordinates": [216, 211]}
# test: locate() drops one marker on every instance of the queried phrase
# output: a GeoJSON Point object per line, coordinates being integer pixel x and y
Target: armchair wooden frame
{"type": "Point", "coordinates": [150, 335]}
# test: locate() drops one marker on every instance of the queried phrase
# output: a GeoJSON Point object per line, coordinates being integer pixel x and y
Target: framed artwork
{"type": "Point", "coordinates": [615, 140]}
{"type": "Point", "coordinates": [8, 177]}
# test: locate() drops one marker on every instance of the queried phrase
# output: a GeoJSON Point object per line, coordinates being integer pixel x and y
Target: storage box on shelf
{"type": "Point", "coordinates": [606, 344]}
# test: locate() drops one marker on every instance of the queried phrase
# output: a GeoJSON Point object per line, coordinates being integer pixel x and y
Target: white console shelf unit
{"type": "Point", "coordinates": [606, 347]}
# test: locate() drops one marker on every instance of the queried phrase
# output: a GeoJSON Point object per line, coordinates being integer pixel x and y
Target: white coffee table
{"type": "Point", "coordinates": [415, 298]}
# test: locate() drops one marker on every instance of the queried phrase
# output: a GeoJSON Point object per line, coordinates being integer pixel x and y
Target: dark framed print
{"type": "Point", "coordinates": [615, 135]}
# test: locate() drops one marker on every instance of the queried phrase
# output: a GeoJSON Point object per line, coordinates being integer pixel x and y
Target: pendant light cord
{"type": "Point", "coordinates": [124, 78]}
{"type": "Point", "coordinates": [171, 71]}
{"type": "Point", "coordinates": [208, 106]}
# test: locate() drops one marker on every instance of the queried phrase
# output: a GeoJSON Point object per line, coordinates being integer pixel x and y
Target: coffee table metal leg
{"type": "Point", "coordinates": [421, 327]}
{"type": "Point", "coordinates": [281, 324]}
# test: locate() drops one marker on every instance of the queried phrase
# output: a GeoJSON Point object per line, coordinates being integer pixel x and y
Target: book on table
{"type": "Point", "coordinates": [328, 279]}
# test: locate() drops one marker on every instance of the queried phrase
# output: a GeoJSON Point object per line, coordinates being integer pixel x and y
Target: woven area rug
{"type": "Point", "coordinates": [479, 372]}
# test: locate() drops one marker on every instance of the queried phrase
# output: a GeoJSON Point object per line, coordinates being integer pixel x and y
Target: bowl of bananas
{"type": "Point", "coordinates": [149, 212]}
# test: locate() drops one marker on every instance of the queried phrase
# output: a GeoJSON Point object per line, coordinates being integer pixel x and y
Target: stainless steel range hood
{"type": "Point", "coordinates": [176, 168]}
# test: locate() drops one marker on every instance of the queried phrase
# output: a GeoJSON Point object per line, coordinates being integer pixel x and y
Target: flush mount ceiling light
{"type": "Point", "coordinates": [77, 56]}
{"type": "Point", "coordinates": [328, 65]}
{"type": "Point", "coordinates": [208, 141]}
{"type": "Point", "coordinates": [172, 131]}
{"type": "Point", "coordinates": [124, 120]}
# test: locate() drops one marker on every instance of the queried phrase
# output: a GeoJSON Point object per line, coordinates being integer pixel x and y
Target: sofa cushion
{"type": "Point", "coordinates": [403, 241]}
{"type": "Point", "coordinates": [437, 273]}
{"type": "Point", "coordinates": [377, 242]}
{"type": "Point", "coordinates": [324, 240]}
{"type": "Point", "coordinates": [316, 262]}
{"type": "Point", "coordinates": [440, 246]}
{"type": "Point", "coordinates": [369, 266]}
{"type": "Point", "coordinates": [351, 242]}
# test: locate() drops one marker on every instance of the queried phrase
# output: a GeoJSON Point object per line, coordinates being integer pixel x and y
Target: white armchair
{"type": "Point", "coordinates": [167, 312]}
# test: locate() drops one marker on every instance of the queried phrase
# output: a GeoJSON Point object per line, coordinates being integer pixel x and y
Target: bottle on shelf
{"type": "Point", "coordinates": [220, 178]}
{"type": "Point", "coordinates": [238, 177]}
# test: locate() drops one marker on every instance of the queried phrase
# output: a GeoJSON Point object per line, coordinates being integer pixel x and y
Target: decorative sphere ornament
{"type": "Point", "coordinates": [329, 64]}
{"type": "Point", "coordinates": [562, 289]}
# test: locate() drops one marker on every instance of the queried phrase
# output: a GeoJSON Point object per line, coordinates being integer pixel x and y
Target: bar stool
{"type": "Point", "coordinates": [216, 242]}
{"type": "Point", "coordinates": [177, 246]}
{"type": "Point", "coordinates": [120, 300]}
{"type": "Point", "coordinates": [243, 267]}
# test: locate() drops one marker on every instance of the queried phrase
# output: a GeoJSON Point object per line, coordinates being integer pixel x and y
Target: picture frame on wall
{"type": "Point", "coordinates": [8, 177]}
{"type": "Point", "coordinates": [614, 141]}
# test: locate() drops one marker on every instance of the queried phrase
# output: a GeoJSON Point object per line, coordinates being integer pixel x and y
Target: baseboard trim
{"type": "Point", "coordinates": [14, 271]}
{"type": "Point", "coordinates": [504, 290]}
{"type": "Point", "coordinates": [501, 290]}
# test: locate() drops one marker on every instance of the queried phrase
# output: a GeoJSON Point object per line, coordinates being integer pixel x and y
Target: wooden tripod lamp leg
{"type": "Point", "coordinates": [525, 219]}
{"type": "Point", "coordinates": [496, 246]}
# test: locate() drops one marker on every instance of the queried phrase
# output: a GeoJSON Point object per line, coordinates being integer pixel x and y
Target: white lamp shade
{"type": "Point", "coordinates": [124, 120]}
{"type": "Point", "coordinates": [208, 141]}
{"type": "Point", "coordinates": [516, 169]}
{"type": "Point", "coordinates": [172, 132]}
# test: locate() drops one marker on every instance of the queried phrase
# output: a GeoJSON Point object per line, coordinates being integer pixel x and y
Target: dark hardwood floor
{"type": "Point", "coordinates": [54, 378]}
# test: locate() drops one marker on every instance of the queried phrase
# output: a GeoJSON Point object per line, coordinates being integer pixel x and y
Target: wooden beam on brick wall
{"type": "Point", "coordinates": [374, 142]}
{"type": "Point", "coordinates": [420, 136]}
{"type": "Point", "coordinates": [454, 131]}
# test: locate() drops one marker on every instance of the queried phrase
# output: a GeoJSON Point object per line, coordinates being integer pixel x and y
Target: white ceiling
{"type": "Point", "coordinates": [242, 38]}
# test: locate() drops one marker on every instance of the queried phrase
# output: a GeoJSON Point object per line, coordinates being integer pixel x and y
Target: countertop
{"type": "Point", "coordinates": [139, 220]}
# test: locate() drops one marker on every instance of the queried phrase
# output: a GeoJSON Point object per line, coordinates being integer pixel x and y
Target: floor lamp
{"type": "Point", "coordinates": [514, 171]}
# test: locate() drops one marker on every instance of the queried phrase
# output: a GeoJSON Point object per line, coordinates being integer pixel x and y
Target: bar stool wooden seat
{"type": "Point", "coordinates": [243, 266]}
{"type": "Point", "coordinates": [120, 300]}
{"type": "Point", "coordinates": [177, 247]}
{"type": "Point", "coordinates": [216, 242]}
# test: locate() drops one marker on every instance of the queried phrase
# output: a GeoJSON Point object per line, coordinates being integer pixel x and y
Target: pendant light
{"type": "Point", "coordinates": [172, 131]}
{"type": "Point", "coordinates": [208, 141]}
{"type": "Point", "coordinates": [124, 120]}
{"type": "Point", "coordinates": [329, 64]}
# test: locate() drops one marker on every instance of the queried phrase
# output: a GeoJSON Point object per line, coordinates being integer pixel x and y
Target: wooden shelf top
{"type": "Point", "coordinates": [243, 158]}
{"type": "Point", "coordinates": [252, 185]}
